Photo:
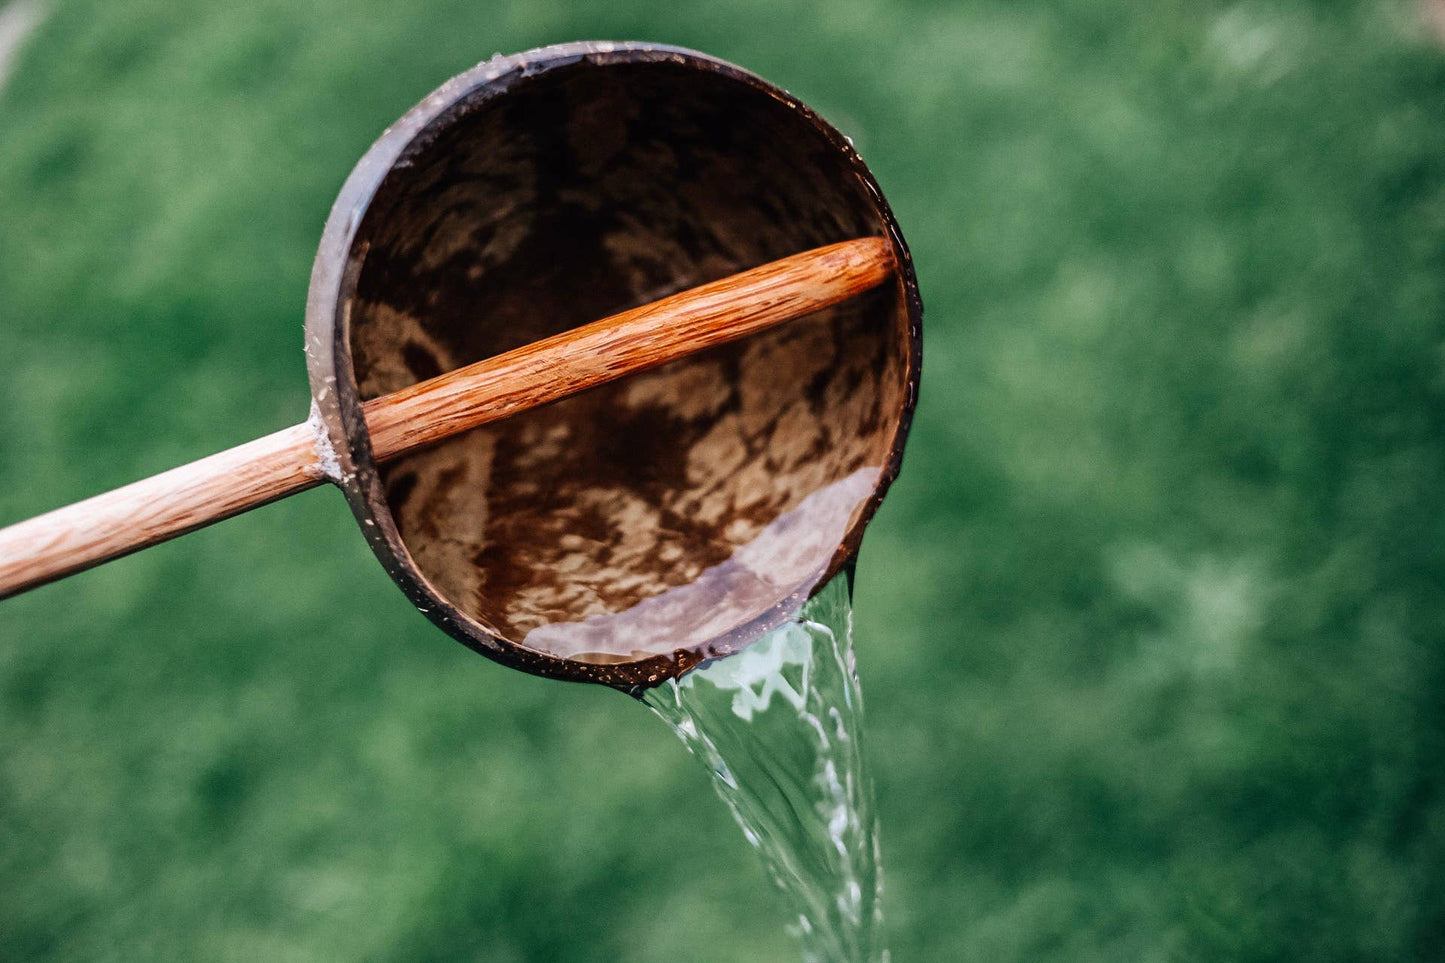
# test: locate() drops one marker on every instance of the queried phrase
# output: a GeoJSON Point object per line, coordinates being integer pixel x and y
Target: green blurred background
{"type": "Point", "coordinates": [1150, 627]}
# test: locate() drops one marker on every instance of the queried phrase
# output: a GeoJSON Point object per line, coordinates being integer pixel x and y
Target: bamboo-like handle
{"type": "Point", "coordinates": [136, 516]}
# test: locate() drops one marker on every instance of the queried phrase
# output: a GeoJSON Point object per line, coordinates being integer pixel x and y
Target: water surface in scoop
{"type": "Point", "coordinates": [789, 555]}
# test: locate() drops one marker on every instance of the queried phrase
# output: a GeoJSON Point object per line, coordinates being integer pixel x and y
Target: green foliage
{"type": "Point", "coordinates": [1150, 628]}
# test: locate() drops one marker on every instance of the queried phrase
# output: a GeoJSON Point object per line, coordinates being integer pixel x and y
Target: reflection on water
{"type": "Point", "coordinates": [779, 726]}
{"type": "Point", "coordinates": [789, 554]}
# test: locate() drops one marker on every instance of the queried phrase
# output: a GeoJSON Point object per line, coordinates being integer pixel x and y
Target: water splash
{"type": "Point", "coordinates": [779, 725]}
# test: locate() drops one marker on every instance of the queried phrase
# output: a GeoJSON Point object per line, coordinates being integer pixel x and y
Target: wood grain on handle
{"type": "Point", "coordinates": [74, 538]}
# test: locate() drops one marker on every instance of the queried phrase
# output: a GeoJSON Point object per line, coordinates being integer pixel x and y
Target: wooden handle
{"type": "Point", "coordinates": [74, 538]}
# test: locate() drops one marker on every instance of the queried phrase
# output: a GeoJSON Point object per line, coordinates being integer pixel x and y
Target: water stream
{"type": "Point", "coordinates": [779, 726]}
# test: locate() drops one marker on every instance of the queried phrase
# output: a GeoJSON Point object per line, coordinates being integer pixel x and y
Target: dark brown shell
{"type": "Point", "coordinates": [626, 534]}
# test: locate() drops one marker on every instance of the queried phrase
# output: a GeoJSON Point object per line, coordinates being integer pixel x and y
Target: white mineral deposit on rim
{"type": "Point", "coordinates": [779, 726]}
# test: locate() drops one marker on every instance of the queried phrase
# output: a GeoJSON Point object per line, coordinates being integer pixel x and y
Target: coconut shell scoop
{"type": "Point", "coordinates": [608, 500]}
